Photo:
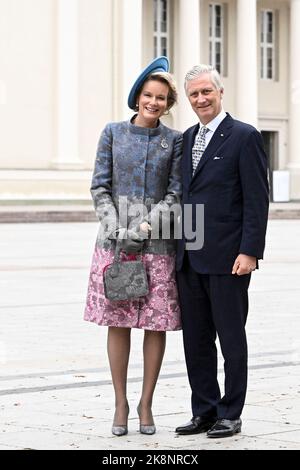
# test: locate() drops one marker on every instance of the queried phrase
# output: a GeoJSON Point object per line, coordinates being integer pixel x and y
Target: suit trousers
{"type": "Point", "coordinates": [214, 305]}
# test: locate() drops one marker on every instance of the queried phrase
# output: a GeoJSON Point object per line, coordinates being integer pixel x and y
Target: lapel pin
{"type": "Point", "coordinates": [222, 135]}
{"type": "Point", "coordinates": [164, 144]}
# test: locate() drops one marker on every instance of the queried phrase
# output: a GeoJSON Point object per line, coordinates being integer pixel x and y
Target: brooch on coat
{"type": "Point", "coordinates": [164, 144]}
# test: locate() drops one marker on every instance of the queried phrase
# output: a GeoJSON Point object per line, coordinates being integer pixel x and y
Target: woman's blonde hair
{"type": "Point", "coordinates": [163, 77]}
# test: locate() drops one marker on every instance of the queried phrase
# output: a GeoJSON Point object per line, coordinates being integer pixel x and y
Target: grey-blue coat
{"type": "Point", "coordinates": [136, 177]}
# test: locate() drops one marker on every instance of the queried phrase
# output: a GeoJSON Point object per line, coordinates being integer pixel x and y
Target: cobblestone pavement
{"type": "Point", "coordinates": [55, 384]}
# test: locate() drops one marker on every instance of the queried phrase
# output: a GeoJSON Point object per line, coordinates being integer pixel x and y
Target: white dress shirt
{"type": "Point", "coordinates": [212, 126]}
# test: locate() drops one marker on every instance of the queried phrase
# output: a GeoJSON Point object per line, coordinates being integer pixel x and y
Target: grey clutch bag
{"type": "Point", "coordinates": [125, 279]}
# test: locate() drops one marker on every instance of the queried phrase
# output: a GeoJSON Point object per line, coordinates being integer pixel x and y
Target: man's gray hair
{"type": "Point", "coordinates": [198, 70]}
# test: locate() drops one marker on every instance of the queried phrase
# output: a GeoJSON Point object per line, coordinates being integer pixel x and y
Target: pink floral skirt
{"type": "Point", "coordinates": [158, 311]}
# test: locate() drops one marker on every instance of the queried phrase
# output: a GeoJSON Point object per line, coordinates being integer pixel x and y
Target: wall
{"type": "Point", "coordinates": [27, 68]}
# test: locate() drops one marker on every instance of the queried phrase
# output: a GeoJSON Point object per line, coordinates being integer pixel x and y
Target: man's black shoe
{"type": "Point", "coordinates": [195, 426]}
{"type": "Point", "coordinates": [225, 428]}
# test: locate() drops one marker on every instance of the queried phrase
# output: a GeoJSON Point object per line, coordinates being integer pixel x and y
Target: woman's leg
{"type": "Point", "coordinates": [118, 348]}
{"type": "Point", "coordinates": [154, 348]}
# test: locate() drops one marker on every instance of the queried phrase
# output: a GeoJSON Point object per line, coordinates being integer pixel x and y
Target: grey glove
{"type": "Point", "coordinates": [133, 240]}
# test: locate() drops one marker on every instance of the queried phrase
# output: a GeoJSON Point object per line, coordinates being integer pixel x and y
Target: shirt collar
{"type": "Point", "coordinates": [214, 123]}
{"type": "Point", "coordinates": [149, 131]}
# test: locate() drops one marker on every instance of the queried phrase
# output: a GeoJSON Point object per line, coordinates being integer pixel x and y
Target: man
{"type": "Point", "coordinates": [224, 168]}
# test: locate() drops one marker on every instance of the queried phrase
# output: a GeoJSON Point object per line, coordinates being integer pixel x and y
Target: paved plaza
{"type": "Point", "coordinates": [55, 387]}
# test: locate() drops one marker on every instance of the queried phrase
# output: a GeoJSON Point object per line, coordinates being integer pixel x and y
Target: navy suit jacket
{"type": "Point", "coordinates": [231, 182]}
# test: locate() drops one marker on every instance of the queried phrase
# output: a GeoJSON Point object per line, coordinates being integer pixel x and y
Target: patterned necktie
{"type": "Point", "coordinates": [199, 147]}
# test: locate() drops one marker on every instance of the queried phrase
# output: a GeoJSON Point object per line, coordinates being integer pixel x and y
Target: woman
{"type": "Point", "coordinates": [137, 164]}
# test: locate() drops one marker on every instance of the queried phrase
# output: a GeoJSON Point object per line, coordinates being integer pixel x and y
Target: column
{"type": "Point", "coordinates": [294, 141]}
{"type": "Point", "coordinates": [67, 85]}
{"type": "Point", "coordinates": [246, 62]}
{"type": "Point", "coordinates": [3, 93]}
{"type": "Point", "coordinates": [188, 46]}
{"type": "Point", "coordinates": [128, 62]}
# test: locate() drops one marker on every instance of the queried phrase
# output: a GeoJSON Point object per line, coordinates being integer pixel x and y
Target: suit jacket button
{"type": "Point", "coordinates": [190, 194]}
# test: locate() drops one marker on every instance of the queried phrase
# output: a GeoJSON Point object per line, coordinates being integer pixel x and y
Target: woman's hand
{"type": "Point", "coordinates": [145, 227]}
{"type": "Point", "coordinates": [134, 240]}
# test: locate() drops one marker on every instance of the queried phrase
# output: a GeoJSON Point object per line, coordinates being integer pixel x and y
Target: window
{"type": "Point", "coordinates": [216, 36]}
{"type": "Point", "coordinates": [271, 147]}
{"type": "Point", "coordinates": [161, 27]}
{"type": "Point", "coordinates": [267, 42]}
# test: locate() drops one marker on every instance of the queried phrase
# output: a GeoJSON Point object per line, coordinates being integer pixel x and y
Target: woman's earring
{"type": "Point", "coordinates": [137, 107]}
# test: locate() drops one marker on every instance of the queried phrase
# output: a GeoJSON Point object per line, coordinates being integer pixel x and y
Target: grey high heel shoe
{"type": "Point", "coordinates": [120, 429]}
{"type": "Point", "coordinates": [146, 428]}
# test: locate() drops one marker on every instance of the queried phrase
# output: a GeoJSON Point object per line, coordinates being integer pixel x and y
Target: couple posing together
{"type": "Point", "coordinates": [218, 163]}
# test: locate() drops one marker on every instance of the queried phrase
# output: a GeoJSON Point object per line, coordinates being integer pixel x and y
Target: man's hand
{"type": "Point", "coordinates": [244, 264]}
